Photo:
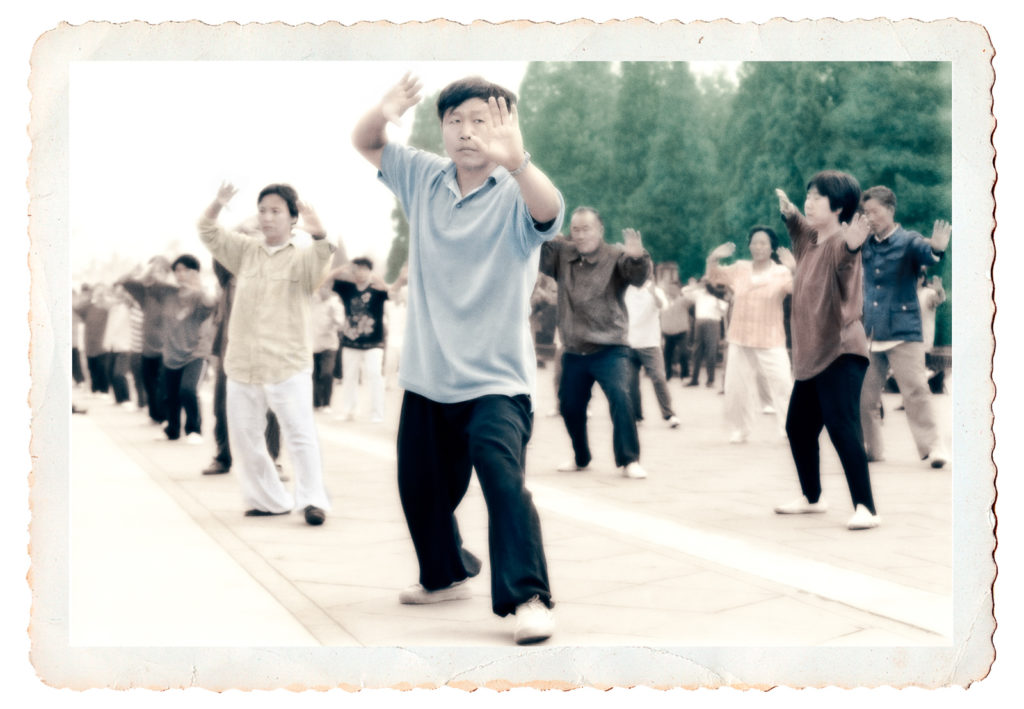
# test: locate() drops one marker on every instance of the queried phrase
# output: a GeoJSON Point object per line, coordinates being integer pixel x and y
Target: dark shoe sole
{"type": "Point", "coordinates": [262, 513]}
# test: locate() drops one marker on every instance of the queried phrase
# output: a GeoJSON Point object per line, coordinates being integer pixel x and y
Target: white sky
{"type": "Point", "coordinates": [150, 142]}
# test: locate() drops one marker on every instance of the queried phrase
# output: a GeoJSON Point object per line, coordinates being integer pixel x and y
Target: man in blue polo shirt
{"type": "Point", "coordinates": [893, 258]}
{"type": "Point", "coordinates": [477, 220]}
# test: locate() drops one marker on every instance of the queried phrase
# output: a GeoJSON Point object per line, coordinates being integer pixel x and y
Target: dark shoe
{"type": "Point", "coordinates": [691, 384]}
{"type": "Point", "coordinates": [263, 513]}
{"type": "Point", "coordinates": [216, 468]}
{"type": "Point", "coordinates": [314, 515]}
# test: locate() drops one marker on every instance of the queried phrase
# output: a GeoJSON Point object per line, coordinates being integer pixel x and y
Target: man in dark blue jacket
{"type": "Point", "coordinates": [893, 258]}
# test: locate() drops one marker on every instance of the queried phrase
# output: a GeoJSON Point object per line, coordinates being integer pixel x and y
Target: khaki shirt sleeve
{"type": "Point", "coordinates": [225, 246]}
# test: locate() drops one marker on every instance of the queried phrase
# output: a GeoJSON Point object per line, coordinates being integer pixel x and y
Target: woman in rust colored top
{"type": "Point", "coordinates": [830, 349]}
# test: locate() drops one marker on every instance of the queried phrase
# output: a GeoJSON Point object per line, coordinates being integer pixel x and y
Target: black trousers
{"type": "Point", "coordinates": [117, 375]}
{"type": "Point", "coordinates": [77, 375]}
{"type": "Point", "coordinates": [830, 400]}
{"type": "Point", "coordinates": [135, 365]}
{"type": "Point", "coordinates": [323, 377]}
{"type": "Point", "coordinates": [439, 445]}
{"type": "Point", "coordinates": [676, 352]}
{"type": "Point", "coordinates": [706, 336]}
{"type": "Point", "coordinates": [151, 366]}
{"type": "Point", "coordinates": [220, 421]}
{"type": "Point", "coordinates": [98, 372]}
{"type": "Point", "coordinates": [611, 368]}
{"type": "Point", "coordinates": [180, 389]}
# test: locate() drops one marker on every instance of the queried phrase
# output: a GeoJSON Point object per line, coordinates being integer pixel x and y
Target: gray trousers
{"type": "Point", "coordinates": [907, 362]}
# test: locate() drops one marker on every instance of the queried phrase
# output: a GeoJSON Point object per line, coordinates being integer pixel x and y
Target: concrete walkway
{"type": "Point", "coordinates": [691, 556]}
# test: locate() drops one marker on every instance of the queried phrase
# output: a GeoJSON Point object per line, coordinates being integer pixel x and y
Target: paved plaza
{"type": "Point", "coordinates": [691, 556]}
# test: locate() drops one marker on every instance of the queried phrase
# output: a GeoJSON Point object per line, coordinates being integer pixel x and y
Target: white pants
{"type": "Point", "coordinates": [292, 402]}
{"type": "Point", "coordinates": [367, 365]}
{"type": "Point", "coordinates": [744, 366]}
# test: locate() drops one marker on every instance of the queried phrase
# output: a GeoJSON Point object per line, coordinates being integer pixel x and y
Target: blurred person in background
{"type": "Point", "coordinates": [328, 316]}
{"type": "Point", "coordinates": [644, 305]}
{"type": "Point", "coordinates": [709, 309]}
{"type": "Point", "coordinates": [117, 341]}
{"type": "Point", "coordinates": [150, 285]}
{"type": "Point", "coordinates": [186, 308]}
{"type": "Point", "coordinates": [756, 336]}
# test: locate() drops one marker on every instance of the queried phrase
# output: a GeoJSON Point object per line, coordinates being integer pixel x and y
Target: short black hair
{"type": "Point", "coordinates": [188, 261]}
{"type": "Point", "coordinates": [882, 194]}
{"type": "Point", "coordinates": [363, 261]}
{"type": "Point", "coordinates": [842, 190]}
{"type": "Point", "coordinates": [285, 192]}
{"type": "Point", "coordinates": [458, 92]}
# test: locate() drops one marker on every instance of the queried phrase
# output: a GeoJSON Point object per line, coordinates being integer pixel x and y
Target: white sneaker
{"type": "Point", "coordinates": [633, 470]}
{"type": "Point", "coordinates": [570, 466]}
{"type": "Point", "coordinates": [801, 506]}
{"type": "Point", "coordinates": [127, 405]}
{"type": "Point", "coordinates": [862, 519]}
{"type": "Point", "coordinates": [553, 413]}
{"type": "Point", "coordinates": [534, 622]}
{"type": "Point", "coordinates": [194, 438]}
{"type": "Point", "coordinates": [768, 409]}
{"type": "Point", "coordinates": [673, 422]}
{"type": "Point", "coordinates": [416, 595]}
{"type": "Point", "coordinates": [738, 437]}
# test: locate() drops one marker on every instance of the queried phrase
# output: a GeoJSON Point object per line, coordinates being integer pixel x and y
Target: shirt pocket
{"type": "Point", "coordinates": [905, 320]}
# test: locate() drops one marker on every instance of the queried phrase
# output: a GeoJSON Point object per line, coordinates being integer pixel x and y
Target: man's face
{"type": "Point", "coordinates": [185, 276]}
{"type": "Point", "coordinates": [587, 232]}
{"type": "Point", "coordinates": [470, 118]}
{"type": "Point", "coordinates": [275, 220]}
{"type": "Point", "coordinates": [361, 275]}
{"type": "Point", "coordinates": [817, 208]}
{"type": "Point", "coordinates": [880, 217]}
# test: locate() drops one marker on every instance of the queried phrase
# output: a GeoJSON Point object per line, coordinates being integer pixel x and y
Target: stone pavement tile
{"type": "Point", "coordinates": [782, 620]}
{"type": "Point", "coordinates": [386, 571]}
{"type": "Point", "coordinates": [638, 566]}
{"type": "Point", "coordinates": [568, 589]}
{"type": "Point", "coordinates": [927, 577]}
{"type": "Point", "coordinates": [678, 595]}
{"type": "Point", "coordinates": [584, 547]}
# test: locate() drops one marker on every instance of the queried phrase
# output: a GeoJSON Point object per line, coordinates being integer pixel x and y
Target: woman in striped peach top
{"type": "Point", "coordinates": [756, 335]}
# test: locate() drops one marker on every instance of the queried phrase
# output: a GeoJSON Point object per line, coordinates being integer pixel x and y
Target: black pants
{"type": "Point", "coordinates": [77, 375]}
{"type": "Point", "coordinates": [676, 353]}
{"type": "Point", "coordinates": [439, 445]}
{"type": "Point", "coordinates": [323, 377]}
{"type": "Point", "coordinates": [151, 366]}
{"type": "Point", "coordinates": [611, 369]}
{"type": "Point", "coordinates": [135, 365]}
{"type": "Point", "coordinates": [706, 335]}
{"type": "Point", "coordinates": [117, 375]}
{"type": "Point", "coordinates": [98, 372]}
{"type": "Point", "coordinates": [831, 400]}
{"type": "Point", "coordinates": [220, 421]}
{"type": "Point", "coordinates": [180, 389]}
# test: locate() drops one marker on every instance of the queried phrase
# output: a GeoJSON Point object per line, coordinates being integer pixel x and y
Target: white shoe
{"type": "Point", "coordinates": [377, 419]}
{"type": "Point", "coordinates": [127, 405]}
{"type": "Point", "coordinates": [862, 519]}
{"type": "Point", "coordinates": [673, 422]}
{"type": "Point", "coordinates": [416, 595]}
{"type": "Point", "coordinates": [553, 413]}
{"type": "Point", "coordinates": [801, 506]}
{"type": "Point", "coordinates": [769, 409]}
{"type": "Point", "coordinates": [738, 437]}
{"type": "Point", "coordinates": [570, 466]}
{"type": "Point", "coordinates": [534, 622]}
{"type": "Point", "coordinates": [634, 471]}
{"type": "Point", "coordinates": [194, 438]}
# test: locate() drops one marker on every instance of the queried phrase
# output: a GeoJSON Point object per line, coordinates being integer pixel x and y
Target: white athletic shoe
{"type": "Point", "coordinates": [863, 519]}
{"type": "Point", "coordinates": [194, 438]}
{"type": "Point", "coordinates": [416, 595]}
{"type": "Point", "coordinates": [570, 466]}
{"type": "Point", "coordinates": [634, 471]}
{"type": "Point", "coordinates": [801, 506]}
{"type": "Point", "coordinates": [534, 622]}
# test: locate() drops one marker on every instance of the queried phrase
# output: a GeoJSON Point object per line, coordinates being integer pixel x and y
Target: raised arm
{"type": "Point", "coordinates": [711, 267]}
{"type": "Point", "coordinates": [504, 145]}
{"type": "Point", "coordinates": [370, 134]}
{"type": "Point", "coordinates": [635, 265]}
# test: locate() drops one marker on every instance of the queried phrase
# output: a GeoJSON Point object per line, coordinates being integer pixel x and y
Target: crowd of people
{"type": "Point", "coordinates": [492, 285]}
